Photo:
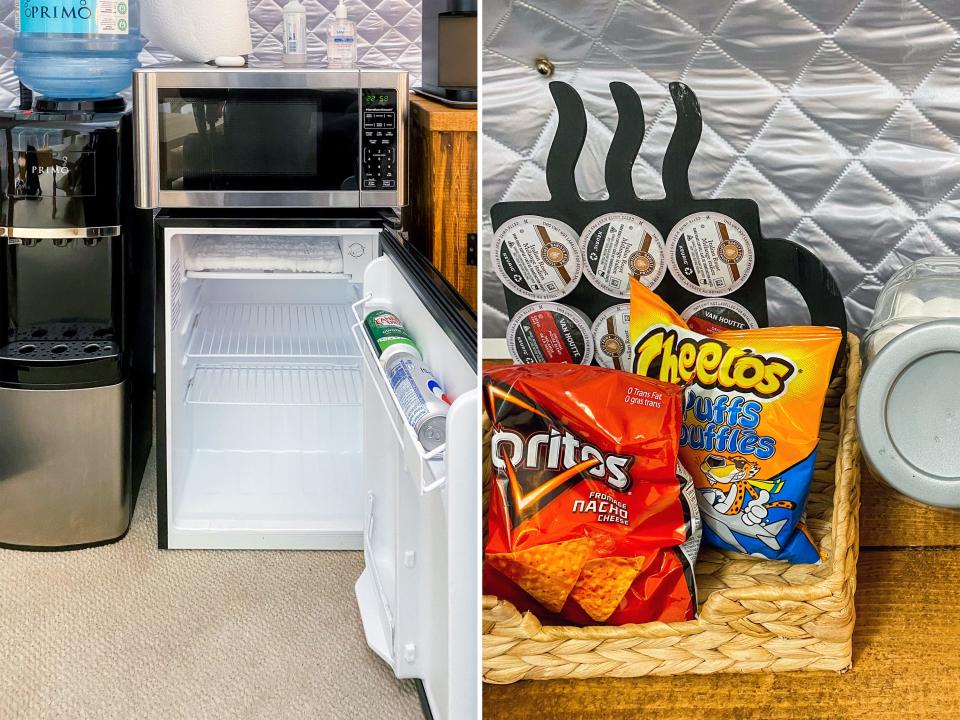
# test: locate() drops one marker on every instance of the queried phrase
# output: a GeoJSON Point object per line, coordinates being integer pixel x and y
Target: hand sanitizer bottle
{"type": "Point", "coordinates": [341, 40]}
{"type": "Point", "coordinates": [294, 33]}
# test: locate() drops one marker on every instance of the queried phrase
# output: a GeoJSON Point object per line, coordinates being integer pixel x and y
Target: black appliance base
{"type": "Point", "coordinates": [114, 104]}
{"type": "Point", "coordinates": [454, 97]}
{"type": "Point", "coordinates": [65, 548]}
{"type": "Point", "coordinates": [424, 703]}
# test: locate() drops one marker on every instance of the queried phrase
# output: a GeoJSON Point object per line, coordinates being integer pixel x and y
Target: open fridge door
{"type": "Point", "coordinates": [419, 592]}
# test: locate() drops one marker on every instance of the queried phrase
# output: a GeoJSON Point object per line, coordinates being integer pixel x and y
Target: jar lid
{"type": "Point", "coordinates": [909, 413]}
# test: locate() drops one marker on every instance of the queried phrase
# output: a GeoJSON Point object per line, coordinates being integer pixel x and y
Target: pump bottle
{"type": "Point", "coordinates": [341, 40]}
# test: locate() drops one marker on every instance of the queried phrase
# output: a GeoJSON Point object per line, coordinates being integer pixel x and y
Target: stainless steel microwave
{"type": "Point", "coordinates": [259, 137]}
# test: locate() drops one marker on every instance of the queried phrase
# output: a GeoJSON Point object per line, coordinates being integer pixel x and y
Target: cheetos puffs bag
{"type": "Point", "coordinates": [751, 421]}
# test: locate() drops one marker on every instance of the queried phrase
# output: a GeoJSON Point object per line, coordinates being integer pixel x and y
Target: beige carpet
{"type": "Point", "coordinates": [127, 631]}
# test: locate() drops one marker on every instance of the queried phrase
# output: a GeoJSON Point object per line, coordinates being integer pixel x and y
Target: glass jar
{"type": "Point", "coordinates": [909, 407]}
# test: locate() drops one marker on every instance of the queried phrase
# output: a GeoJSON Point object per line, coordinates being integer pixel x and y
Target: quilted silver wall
{"type": "Point", "coordinates": [840, 117]}
{"type": "Point", "coordinates": [389, 35]}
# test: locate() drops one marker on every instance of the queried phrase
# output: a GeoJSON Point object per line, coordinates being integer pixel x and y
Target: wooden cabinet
{"type": "Point", "coordinates": [441, 217]}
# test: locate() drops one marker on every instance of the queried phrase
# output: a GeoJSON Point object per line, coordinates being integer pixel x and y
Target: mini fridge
{"type": "Point", "coordinates": [276, 231]}
{"type": "Point", "coordinates": [278, 428]}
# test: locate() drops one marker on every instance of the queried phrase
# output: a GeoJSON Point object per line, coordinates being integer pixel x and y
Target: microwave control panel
{"type": "Point", "coordinates": [379, 140]}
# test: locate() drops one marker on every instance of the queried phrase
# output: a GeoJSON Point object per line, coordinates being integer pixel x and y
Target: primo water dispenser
{"type": "Point", "coordinates": [76, 327]}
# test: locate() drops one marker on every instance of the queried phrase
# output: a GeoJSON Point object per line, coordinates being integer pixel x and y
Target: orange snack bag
{"type": "Point", "coordinates": [591, 519]}
{"type": "Point", "coordinates": [751, 421]}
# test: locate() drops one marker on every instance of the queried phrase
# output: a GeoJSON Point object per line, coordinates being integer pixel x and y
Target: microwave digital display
{"type": "Point", "coordinates": [230, 140]}
{"type": "Point", "coordinates": [378, 100]}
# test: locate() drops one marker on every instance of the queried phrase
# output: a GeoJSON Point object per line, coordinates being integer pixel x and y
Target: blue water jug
{"type": "Point", "coordinates": [77, 49]}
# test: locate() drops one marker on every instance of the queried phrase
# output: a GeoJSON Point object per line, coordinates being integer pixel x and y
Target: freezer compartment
{"type": "Point", "coordinates": [263, 412]}
{"type": "Point", "coordinates": [280, 253]}
{"type": "Point", "coordinates": [266, 254]}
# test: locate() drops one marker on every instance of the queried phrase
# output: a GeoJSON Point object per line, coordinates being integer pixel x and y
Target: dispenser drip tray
{"type": "Point", "coordinates": [60, 342]}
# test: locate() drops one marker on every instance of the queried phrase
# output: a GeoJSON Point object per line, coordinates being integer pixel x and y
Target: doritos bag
{"type": "Point", "coordinates": [588, 519]}
{"type": "Point", "coordinates": [751, 421]}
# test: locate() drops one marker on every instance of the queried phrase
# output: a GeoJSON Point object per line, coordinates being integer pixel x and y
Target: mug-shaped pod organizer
{"type": "Point", "coordinates": [566, 262]}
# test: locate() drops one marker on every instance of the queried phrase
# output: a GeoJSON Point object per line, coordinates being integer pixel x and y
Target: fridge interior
{"type": "Point", "coordinates": [264, 402]}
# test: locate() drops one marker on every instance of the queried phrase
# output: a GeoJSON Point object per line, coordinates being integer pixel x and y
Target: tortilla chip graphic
{"type": "Point", "coordinates": [603, 583]}
{"type": "Point", "coordinates": [546, 572]}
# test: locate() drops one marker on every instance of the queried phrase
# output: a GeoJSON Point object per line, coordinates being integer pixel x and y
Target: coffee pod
{"type": "Point", "coordinates": [712, 315]}
{"type": "Point", "coordinates": [618, 246]}
{"type": "Point", "coordinates": [710, 254]}
{"type": "Point", "coordinates": [611, 338]}
{"type": "Point", "coordinates": [550, 333]}
{"type": "Point", "coordinates": [537, 258]}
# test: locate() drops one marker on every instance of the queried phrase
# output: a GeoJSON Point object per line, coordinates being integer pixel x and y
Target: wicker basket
{"type": "Point", "coordinates": [756, 615]}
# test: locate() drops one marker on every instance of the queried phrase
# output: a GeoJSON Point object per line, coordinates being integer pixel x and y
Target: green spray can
{"type": "Point", "coordinates": [390, 338]}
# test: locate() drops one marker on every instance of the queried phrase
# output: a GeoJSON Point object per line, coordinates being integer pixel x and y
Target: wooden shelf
{"type": "Point", "coordinates": [437, 117]}
{"type": "Point", "coordinates": [442, 215]}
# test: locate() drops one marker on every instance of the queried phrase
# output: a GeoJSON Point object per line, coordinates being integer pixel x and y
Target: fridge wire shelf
{"type": "Point", "coordinates": [428, 468]}
{"type": "Point", "coordinates": [225, 329]}
{"type": "Point", "coordinates": [280, 385]}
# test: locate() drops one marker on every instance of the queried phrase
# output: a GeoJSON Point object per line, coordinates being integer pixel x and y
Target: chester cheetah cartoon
{"type": "Point", "coordinates": [731, 482]}
{"type": "Point", "coordinates": [735, 504]}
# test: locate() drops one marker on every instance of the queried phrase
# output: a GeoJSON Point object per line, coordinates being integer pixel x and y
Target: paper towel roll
{"type": "Point", "coordinates": [198, 30]}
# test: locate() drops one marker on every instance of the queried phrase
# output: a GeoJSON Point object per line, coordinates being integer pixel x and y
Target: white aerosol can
{"type": "Point", "coordinates": [294, 33]}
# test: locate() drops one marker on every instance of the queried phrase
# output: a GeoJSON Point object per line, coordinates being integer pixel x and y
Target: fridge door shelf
{"type": "Point", "coordinates": [262, 330]}
{"type": "Point", "coordinates": [428, 468]}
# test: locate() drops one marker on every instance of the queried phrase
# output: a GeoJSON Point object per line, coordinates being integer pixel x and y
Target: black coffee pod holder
{"type": "Point", "coordinates": [772, 257]}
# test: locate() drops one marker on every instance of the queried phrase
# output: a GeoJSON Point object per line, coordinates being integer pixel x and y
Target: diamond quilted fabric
{"type": "Point", "coordinates": [840, 118]}
{"type": "Point", "coordinates": [388, 36]}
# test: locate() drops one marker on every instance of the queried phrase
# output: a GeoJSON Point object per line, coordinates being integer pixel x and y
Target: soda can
{"type": "Point", "coordinates": [390, 338]}
{"type": "Point", "coordinates": [421, 398]}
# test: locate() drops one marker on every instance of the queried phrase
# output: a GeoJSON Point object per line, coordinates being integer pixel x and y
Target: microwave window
{"type": "Point", "coordinates": [259, 140]}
